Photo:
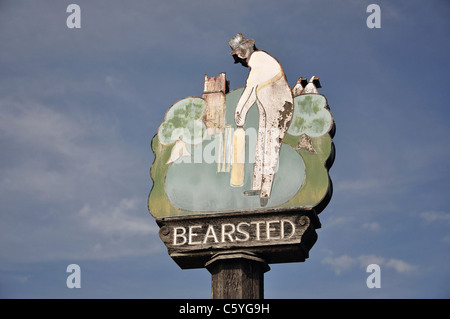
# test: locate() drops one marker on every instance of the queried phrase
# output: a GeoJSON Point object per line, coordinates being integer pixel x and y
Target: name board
{"type": "Point", "coordinates": [191, 242]}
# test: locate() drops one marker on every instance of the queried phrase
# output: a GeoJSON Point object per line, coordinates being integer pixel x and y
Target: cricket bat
{"type": "Point", "coordinates": [237, 168]}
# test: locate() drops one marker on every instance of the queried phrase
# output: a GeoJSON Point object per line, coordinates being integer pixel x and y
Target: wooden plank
{"type": "Point", "coordinates": [277, 237]}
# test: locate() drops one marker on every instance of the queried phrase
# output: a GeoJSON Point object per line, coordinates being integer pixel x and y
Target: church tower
{"type": "Point", "coordinates": [214, 92]}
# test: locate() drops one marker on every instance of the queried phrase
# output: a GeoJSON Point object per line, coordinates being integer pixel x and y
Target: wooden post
{"type": "Point", "coordinates": [237, 276]}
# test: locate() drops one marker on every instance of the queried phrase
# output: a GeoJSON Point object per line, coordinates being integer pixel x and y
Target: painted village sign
{"type": "Point", "coordinates": [243, 170]}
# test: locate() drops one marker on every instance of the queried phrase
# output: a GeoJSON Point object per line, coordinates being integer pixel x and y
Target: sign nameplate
{"type": "Point", "coordinates": [191, 242]}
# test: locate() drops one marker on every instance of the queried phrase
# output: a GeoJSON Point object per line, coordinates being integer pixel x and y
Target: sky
{"type": "Point", "coordinates": [79, 107]}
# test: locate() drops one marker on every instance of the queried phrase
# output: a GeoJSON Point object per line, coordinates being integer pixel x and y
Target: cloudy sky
{"type": "Point", "coordinates": [79, 107]}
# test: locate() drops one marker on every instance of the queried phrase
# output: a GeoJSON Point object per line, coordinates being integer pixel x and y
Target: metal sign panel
{"type": "Point", "coordinates": [204, 163]}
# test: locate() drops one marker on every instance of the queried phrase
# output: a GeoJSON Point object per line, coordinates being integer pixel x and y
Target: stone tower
{"type": "Point", "coordinates": [214, 92]}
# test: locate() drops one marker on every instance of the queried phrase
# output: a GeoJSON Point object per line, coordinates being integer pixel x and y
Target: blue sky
{"type": "Point", "coordinates": [79, 107]}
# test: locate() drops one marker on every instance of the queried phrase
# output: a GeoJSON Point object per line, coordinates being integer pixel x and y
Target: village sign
{"type": "Point", "coordinates": [243, 170]}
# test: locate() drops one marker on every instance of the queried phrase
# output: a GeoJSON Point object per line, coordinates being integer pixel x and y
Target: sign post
{"type": "Point", "coordinates": [238, 275]}
{"type": "Point", "coordinates": [239, 177]}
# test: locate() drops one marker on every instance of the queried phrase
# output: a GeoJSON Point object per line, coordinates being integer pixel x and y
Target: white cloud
{"type": "Point", "coordinates": [39, 126]}
{"type": "Point", "coordinates": [112, 81]}
{"type": "Point", "coordinates": [433, 216]}
{"type": "Point", "coordinates": [400, 265]}
{"type": "Point", "coordinates": [335, 221]}
{"type": "Point", "coordinates": [365, 260]}
{"type": "Point", "coordinates": [446, 239]}
{"type": "Point", "coordinates": [372, 226]}
{"type": "Point", "coordinates": [380, 184]}
{"type": "Point", "coordinates": [346, 262]}
{"type": "Point", "coordinates": [117, 228]}
{"type": "Point", "coordinates": [340, 263]}
{"type": "Point", "coordinates": [359, 185]}
{"type": "Point", "coordinates": [119, 219]}
{"type": "Point", "coordinates": [21, 279]}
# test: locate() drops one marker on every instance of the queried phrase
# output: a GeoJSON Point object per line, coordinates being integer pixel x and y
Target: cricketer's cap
{"type": "Point", "coordinates": [239, 40]}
